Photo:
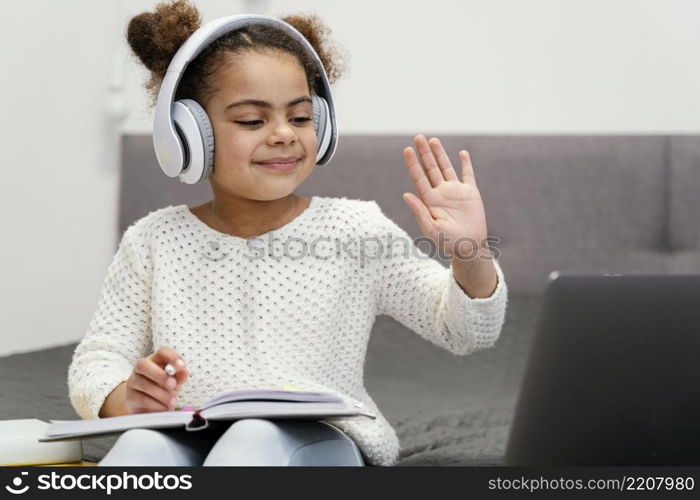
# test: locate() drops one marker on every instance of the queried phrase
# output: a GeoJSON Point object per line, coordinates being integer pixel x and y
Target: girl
{"type": "Point", "coordinates": [185, 289]}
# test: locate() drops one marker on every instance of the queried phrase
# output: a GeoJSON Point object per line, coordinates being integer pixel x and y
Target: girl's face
{"type": "Point", "coordinates": [279, 124]}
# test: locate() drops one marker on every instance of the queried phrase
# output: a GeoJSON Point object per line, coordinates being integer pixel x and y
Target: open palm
{"type": "Point", "coordinates": [448, 210]}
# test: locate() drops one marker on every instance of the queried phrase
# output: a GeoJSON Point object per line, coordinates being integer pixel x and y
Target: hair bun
{"type": "Point", "coordinates": [156, 36]}
{"type": "Point", "coordinates": [333, 57]}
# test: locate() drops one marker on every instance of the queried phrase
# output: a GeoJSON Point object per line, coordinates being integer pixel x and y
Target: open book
{"type": "Point", "coordinates": [231, 405]}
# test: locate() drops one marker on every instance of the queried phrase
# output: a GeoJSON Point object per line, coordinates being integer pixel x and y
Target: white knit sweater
{"type": "Point", "coordinates": [294, 306]}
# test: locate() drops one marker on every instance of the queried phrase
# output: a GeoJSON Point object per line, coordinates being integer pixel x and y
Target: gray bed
{"type": "Point", "coordinates": [585, 203]}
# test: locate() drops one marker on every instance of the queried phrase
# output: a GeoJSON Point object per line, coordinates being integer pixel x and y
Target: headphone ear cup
{"type": "Point", "coordinates": [193, 125]}
{"type": "Point", "coordinates": [322, 126]}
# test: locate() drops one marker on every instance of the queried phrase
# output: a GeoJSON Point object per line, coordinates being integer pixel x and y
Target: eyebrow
{"type": "Point", "coordinates": [265, 104]}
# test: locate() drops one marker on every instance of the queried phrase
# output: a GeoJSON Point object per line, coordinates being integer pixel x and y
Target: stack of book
{"type": "Point", "coordinates": [20, 445]}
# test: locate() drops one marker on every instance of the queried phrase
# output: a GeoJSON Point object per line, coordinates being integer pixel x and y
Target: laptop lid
{"type": "Point", "coordinates": [613, 376]}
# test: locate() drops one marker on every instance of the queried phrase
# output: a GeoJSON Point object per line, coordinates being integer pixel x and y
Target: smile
{"type": "Point", "coordinates": [286, 166]}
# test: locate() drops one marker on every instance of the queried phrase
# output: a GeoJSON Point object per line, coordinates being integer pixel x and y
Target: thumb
{"type": "Point", "coordinates": [409, 202]}
{"type": "Point", "coordinates": [420, 212]}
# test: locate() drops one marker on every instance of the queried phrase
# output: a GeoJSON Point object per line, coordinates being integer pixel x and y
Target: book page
{"type": "Point", "coordinates": [272, 395]}
{"type": "Point", "coordinates": [282, 409]}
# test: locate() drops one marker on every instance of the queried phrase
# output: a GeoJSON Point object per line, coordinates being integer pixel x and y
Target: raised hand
{"type": "Point", "coordinates": [448, 210]}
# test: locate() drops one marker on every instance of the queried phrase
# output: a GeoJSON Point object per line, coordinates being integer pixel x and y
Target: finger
{"type": "Point", "coordinates": [166, 355]}
{"type": "Point", "coordinates": [429, 163]}
{"type": "Point", "coordinates": [144, 403]}
{"type": "Point", "coordinates": [181, 372]}
{"type": "Point", "coordinates": [145, 367]}
{"type": "Point", "coordinates": [182, 375]}
{"type": "Point", "coordinates": [420, 212]}
{"type": "Point", "coordinates": [443, 160]}
{"type": "Point", "coordinates": [155, 391]}
{"type": "Point", "coordinates": [467, 167]}
{"type": "Point", "coordinates": [416, 172]}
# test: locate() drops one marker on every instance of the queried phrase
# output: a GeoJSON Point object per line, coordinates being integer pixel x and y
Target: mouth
{"type": "Point", "coordinates": [280, 164]}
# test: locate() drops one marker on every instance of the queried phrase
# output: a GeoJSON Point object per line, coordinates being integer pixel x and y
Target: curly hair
{"type": "Point", "coordinates": [155, 37]}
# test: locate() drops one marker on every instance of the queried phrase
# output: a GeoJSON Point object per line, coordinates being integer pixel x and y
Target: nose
{"type": "Point", "coordinates": [282, 133]}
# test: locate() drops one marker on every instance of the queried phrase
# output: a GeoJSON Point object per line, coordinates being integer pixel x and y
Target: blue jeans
{"type": "Point", "coordinates": [246, 442]}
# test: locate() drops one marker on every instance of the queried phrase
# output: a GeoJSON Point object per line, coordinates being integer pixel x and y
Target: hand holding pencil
{"type": "Point", "coordinates": [155, 382]}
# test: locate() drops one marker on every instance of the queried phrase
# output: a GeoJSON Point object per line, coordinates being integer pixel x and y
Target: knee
{"type": "Point", "coordinates": [252, 428]}
{"type": "Point", "coordinates": [145, 447]}
{"type": "Point", "coordinates": [142, 439]}
{"type": "Point", "coordinates": [332, 453]}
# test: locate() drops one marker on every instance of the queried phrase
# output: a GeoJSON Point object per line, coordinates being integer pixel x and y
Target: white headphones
{"type": "Point", "coordinates": [182, 134]}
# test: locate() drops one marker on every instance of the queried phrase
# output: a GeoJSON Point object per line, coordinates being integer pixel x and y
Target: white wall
{"type": "Point", "coordinates": [59, 166]}
{"type": "Point", "coordinates": [467, 66]}
{"type": "Point", "coordinates": [536, 66]}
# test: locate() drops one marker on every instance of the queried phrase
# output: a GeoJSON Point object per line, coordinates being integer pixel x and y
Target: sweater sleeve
{"type": "Point", "coordinates": [119, 332]}
{"type": "Point", "coordinates": [423, 295]}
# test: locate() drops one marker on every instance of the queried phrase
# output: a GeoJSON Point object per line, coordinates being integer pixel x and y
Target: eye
{"type": "Point", "coordinates": [254, 123]}
{"type": "Point", "coordinates": [251, 123]}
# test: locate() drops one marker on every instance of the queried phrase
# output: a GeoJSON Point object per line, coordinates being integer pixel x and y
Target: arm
{"type": "Point", "coordinates": [424, 296]}
{"type": "Point", "coordinates": [115, 404]}
{"type": "Point", "coordinates": [461, 308]}
{"type": "Point", "coordinates": [477, 278]}
{"type": "Point", "coordinates": [118, 334]}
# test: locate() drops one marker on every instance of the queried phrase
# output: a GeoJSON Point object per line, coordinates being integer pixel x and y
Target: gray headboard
{"type": "Point", "coordinates": [584, 203]}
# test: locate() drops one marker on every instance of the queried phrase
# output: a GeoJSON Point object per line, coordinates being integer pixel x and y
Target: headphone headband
{"type": "Point", "coordinates": [168, 146]}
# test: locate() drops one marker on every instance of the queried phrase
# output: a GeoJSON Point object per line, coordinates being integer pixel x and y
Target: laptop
{"type": "Point", "coordinates": [613, 375]}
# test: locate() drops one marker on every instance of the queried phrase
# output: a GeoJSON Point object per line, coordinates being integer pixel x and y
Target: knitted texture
{"type": "Point", "coordinates": [293, 306]}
